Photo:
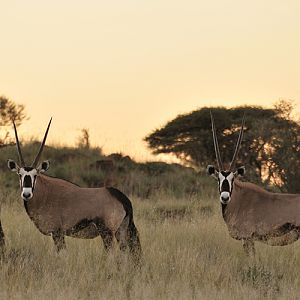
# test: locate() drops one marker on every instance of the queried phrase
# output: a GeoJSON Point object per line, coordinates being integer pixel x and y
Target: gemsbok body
{"type": "Point", "coordinates": [250, 212]}
{"type": "Point", "coordinates": [60, 208]}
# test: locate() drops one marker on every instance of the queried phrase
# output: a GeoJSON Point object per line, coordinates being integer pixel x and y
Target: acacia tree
{"type": "Point", "coordinates": [284, 160]}
{"type": "Point", "coordinates": [268, 134]}
{"type": "Point", "coordinates": [9, 111]}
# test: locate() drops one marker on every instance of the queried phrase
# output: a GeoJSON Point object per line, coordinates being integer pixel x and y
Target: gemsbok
{"type": "Point", "coordinates": [60, 208]}
{"type": "Point", "coordinates": [250, 212]}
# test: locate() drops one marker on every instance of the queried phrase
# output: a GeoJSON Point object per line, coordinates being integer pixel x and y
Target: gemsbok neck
{"type": "Point", "coordinates": [241, 185]}
{"type": "Point", "coordinates": [46, 180]}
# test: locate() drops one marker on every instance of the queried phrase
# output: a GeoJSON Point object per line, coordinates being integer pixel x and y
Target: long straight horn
{"type": "Point", "coordinates": [217, 150]}
{"type": "Point", "coordinates": [238, 144]}
{"type": "Point", "coordinates": [37, 158]}
{"type": "Point", "coordinates": [18, 146]}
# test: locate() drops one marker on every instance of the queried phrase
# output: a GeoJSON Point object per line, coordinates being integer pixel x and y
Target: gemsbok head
{"type": "Point", "coordinates": [60, 208]}
{"type": "Point", "coordinates": [224, 176]}
{"type": "Point", "coordinates": [250, 212]}
{"type": "Point", "coordinates": [28, 174]}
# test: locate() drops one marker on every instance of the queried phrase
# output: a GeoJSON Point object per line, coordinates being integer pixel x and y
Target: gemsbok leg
{"type": "Point", "coordinates": [106, 235]}
{"type": "Point", "coordinates": [134, 241]}
{"type": "Point", "coordinates": [249, 248]}
{"type": "Point", "coordinates": [59, 240]}
{"type": "Point", "coordinates": [122, 234]}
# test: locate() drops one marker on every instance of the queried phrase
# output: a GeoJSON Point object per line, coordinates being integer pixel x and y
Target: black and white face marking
{"type": "Point", "coordinates": [28, 177]}
{"type": "Point", "coordinates": [225, 180]}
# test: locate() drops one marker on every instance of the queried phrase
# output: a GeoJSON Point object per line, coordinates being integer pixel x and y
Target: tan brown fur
{"type": "Point", "coordinates": [256, 214]}
{"type": "Point", "coordinates": [58, 207]}
{"type": "Point", "coordinates": [59, 204]}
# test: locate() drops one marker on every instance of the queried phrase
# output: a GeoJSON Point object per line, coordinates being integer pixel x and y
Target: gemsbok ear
{"type": "Point", "coordinates": [241, 171]}
{"type": "Point", "coordinates": [12, 165]}
{"type": "Point", "coordinates": [211, 170]}
{"type": "Point", "coordinates": [44, 166]}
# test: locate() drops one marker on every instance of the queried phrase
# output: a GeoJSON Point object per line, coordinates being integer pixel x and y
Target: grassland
{"type": "Point", "coordinates": [187, 253]}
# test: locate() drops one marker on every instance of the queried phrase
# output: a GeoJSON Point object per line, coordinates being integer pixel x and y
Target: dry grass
{"type": "Point", "coordinates": [187, 255]}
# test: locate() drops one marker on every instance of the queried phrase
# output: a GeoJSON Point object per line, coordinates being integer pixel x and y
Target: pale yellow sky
{"type": "Point", "coordinates": [123, 68]}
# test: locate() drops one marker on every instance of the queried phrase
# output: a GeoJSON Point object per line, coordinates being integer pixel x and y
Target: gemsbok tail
{"type": "Point", "coordinates": [127, 234]}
